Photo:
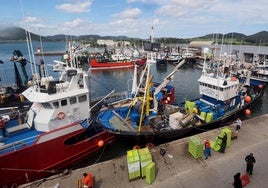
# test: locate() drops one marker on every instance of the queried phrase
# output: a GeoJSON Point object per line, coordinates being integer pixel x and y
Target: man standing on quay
{"type": "Point", "coordinates": [250, 159]}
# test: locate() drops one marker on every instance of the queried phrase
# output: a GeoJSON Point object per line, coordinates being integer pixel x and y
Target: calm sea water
{"type": "Point", "coordinates": [103, 81]}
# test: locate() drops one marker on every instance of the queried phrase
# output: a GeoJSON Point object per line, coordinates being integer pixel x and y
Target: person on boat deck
{"type": "Point", "coordinates": [87, 180]}
{"type": "Point", "coordinates": [3, 126]}
{"type": "Point", "coordinates": [22, 115]}
{"type": "Point", "coordinates": [80, 82]}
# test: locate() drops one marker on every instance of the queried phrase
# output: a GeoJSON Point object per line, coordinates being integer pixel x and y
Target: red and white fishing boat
{"type": "Point", "coordinates": [110, 60]}
{"type": "Point", "coordinates": [96, 64]}
{"type": "Point", "coordinates": [58, 131]}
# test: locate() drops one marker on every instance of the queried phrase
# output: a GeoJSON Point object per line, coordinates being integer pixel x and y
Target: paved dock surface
{"type": "Point", "coordinates": [178, 169]}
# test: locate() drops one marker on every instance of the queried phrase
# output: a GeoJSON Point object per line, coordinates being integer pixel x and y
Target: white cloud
{"type": "Point", "coordinates": [75, 23]}
{"type": "Point", "coordinates": [30, 19]}
{"type": "Point", "coordinates": [129, 14]}
{"type": "Point", "coordinates": [75, 7]}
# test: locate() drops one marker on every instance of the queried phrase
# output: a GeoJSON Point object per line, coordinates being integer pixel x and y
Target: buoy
{"type": "Point", "coordinates": [100, 143]}
{"type": "Point", "coordinates": [61, 115]}
{"type": "Point", "coordinates": [247, 112]}
{"type": "Point", "coordinates": [248, 98]}
{"type": "Point", "coordinates": [260, 86]}
{"type": "Point", "coordinates": [233, 78]}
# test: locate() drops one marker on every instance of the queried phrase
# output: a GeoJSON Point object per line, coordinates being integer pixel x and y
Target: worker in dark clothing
{"type": "Point", "coordinates": [237, 181]}
{"type": "Point", "coordinates": [250, 159]}
{"type": "Point", "coordinates": [223, 143]}
{"type": "Point", "coordinates": [3, 126]}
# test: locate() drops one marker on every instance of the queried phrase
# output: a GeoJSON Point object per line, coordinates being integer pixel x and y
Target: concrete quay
{"type": "Point", "coordinates": [178, 169]}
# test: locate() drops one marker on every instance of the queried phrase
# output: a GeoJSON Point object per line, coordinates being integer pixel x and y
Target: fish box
{"type": "Point", "coordinates": [209, 117]}
{"type": "Point", "coordinates": [145, 159]}
{"type": "Point", "coordinates": [150, 172]}
{"type": "Point", "coordinates": [195, 147]}
{"type": "Point", "coordinates": [133, 163]}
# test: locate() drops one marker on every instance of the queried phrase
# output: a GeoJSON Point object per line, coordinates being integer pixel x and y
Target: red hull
{"type": "Point", "coordinates": [118, 64]}
{"type": "Point", "coordinates": [42, 159]}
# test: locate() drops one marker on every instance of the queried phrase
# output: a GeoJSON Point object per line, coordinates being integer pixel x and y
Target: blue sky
{"type": "Point", "coordinates": [134, 18]}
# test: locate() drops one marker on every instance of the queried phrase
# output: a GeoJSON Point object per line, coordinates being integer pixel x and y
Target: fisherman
{"type": "Point", "coordinates": [207, 149]}
{"type": "Point", "coordinates": [3, 126]}
{"type": "Point", "coordinates": [223, 143]}
{"type": "Point", "coordinates": [238, 124]}
{"type": "Point", "coordinates": [250, 159]}
{"type": "Point", "coordinates": [87, 180]}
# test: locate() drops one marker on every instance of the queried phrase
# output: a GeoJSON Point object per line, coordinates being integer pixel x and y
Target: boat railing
{"type": "Point", "coordinates": [12, 146]}
{"type": "Point", "coordinates": [114, 97]}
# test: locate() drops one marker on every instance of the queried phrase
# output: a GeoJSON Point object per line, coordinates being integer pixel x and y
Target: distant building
{"type": "Point", "coordinates": [105, 42]}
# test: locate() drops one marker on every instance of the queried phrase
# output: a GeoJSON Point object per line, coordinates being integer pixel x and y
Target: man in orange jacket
{"type": "Point", "coordinates": [87, 180]}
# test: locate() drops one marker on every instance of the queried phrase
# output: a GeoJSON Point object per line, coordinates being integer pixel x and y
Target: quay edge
{"type": "Point", "coordinates": [178, 169]}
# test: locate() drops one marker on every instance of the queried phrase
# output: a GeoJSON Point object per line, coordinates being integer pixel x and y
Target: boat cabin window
{"type": "Point", "coordinates": [56, 104]}
{"type": "Point", "coordinates": [73, 100]}
{"type": "Point", "coordinates": [63, 102]}
{"type": "Point", "coordinates": [46, 105]}
{"type": "Point", "coordinates": [82, 98]}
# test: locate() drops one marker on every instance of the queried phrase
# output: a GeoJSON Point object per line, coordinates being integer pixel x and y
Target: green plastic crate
{"type": "Point", "coordinates": [195, 147]}
{"type": "Point", "coordinates": [150, 172]}
{"type": "Point", "coordinates": [145, 159]}
{"type": "Point", "coordinates": [133, 162]}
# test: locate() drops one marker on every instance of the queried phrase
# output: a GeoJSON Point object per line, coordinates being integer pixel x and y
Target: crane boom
{"type": "Point", "coordinates": [167, 79]}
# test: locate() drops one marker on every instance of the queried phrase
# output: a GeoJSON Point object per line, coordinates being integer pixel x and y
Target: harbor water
{"type": "Point", "coordinates": [103, 81]}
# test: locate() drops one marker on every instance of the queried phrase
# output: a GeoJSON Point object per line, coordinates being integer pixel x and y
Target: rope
{"type": "Point", "coordinates": [99, 158]}
{"type": "Point", "coordinates": [28, 170]}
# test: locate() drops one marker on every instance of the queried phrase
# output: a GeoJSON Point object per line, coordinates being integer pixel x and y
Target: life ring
{"type": "Point", "coordinates": [136, 147]}
{"type": "Point", "coordinates": [60, 115]}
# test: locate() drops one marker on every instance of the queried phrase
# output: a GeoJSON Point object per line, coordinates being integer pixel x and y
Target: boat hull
{"type": "Point", "coordinates": [45, 158]}
{"type": "Point", "coordinates": [94, 64]}
{"type": "Point", "coordinates": [165, 134]}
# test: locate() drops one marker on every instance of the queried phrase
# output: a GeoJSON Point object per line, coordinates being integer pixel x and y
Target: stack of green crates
{"type": "Point", "coordinates": [145, 158]}
{"type": "Point", "coordinates": [133, 163]}
{"type": "Point", "coordinates": [216, 144]}
{"type": "Point", "coordinates": [195, 147]}
{"type": "Point", "coordinates": [150, 172]}
{"type": "Point", "coordinates": [189, 105]}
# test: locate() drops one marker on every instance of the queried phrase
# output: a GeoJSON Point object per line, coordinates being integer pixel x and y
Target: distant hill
{"type": "Point", "coordinates": [258, 38]}
{"type": "Point", "coordinates": [255, 39]}
{"type": "Point", "coordinates": [15, 34]}
{"type": "Point", "coordinates": [18, 34]}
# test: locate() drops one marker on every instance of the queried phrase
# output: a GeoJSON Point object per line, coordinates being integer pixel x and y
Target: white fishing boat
{"type": "Point", "coordinates": [59, 130]}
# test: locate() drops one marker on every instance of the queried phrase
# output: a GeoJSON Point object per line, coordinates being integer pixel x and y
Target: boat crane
{"type": "Point", "coordinates": [167, 79]}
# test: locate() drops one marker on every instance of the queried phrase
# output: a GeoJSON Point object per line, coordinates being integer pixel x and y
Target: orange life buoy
{"type": "Point", "coordinates": [60, 115]}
